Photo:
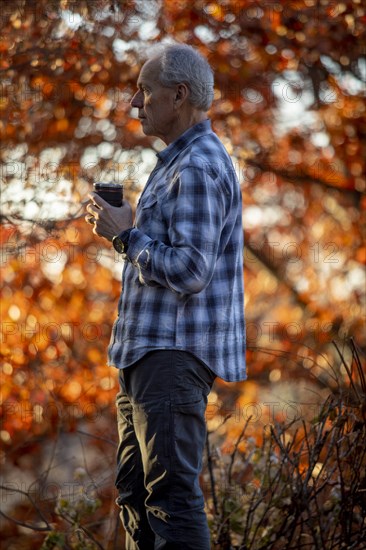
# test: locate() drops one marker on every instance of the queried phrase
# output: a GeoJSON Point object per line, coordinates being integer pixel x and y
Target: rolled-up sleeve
{"type": "Point", "coordinates": [187, 263]}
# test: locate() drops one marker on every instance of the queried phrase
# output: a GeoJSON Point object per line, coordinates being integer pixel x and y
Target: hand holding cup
{"type": "Point", "coordinates": [108, 212]}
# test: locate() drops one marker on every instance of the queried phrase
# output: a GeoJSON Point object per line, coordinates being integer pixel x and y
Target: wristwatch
{"type": "Point", "coordinates": [120, 242]}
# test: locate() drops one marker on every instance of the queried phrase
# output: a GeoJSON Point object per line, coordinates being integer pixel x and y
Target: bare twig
{"type": "Point", "coordinates": [38, 510]}
{"type": "Point", "coordinates": [211, 474]}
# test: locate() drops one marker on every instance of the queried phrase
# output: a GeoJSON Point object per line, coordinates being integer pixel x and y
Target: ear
{"type": "Point", "coordinates": [181, 94]}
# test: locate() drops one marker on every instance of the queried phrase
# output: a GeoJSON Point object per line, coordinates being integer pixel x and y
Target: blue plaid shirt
{"type": "Point", "coordinates": [182, 283]}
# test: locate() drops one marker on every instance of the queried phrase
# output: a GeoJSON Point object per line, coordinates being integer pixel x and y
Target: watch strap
{"type": "Point", "coordinates": [125, 236]}
{"type": "Point", "coordinates": [122, 238]}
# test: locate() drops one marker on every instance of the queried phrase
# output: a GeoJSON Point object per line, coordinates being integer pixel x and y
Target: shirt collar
{"type": "Point", "coordinates": [169, 153]}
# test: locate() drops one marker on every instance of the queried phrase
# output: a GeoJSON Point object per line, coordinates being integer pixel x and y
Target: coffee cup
{"type": "Point", "coordinates": [112, 193]}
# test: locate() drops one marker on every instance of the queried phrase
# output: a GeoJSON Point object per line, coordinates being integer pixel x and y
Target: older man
{"type": "Point", "coordinates": [181, 320]}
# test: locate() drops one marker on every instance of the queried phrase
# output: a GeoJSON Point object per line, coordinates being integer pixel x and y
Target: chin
{"type": "Point", "coordinates": [145, 128]}
{"type": "Point", "coordinates": [148, 130]}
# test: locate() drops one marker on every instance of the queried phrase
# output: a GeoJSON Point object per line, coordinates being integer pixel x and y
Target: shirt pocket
{"type": "Point", "coordinates": [150, 219]}
{"type": "Point", "coordinates": [147, 214]}
{"type": "Point", "coordinates": [148, 202]}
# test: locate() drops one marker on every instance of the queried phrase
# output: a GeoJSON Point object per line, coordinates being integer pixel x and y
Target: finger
{"type": "Point", "coordinates": [98, 201]}
{"type": "Point", "coordinates": [95, 231]}
{"type": "Point", "coordinates": [90, 219]}
{"type": "Point", "coordinates": [92, 209]}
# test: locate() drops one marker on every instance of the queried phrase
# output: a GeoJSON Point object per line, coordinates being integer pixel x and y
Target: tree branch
{"type": "Point", "coordinates": [272, 269]}
{"type": "Point", "coordinates": [29, 526]}
{"type": "Point", "coordinates": [264, 166]}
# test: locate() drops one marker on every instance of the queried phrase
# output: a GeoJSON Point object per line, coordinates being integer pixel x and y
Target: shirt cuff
{"type": "Point", "coordinates": [137, 251]}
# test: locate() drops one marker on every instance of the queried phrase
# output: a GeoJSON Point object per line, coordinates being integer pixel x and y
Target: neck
{"type": "Point", "coordinates": [182, 124]}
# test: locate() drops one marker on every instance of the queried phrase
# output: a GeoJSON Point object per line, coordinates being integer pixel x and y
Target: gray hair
{"type": "Point", "coordinates": [182, 63]}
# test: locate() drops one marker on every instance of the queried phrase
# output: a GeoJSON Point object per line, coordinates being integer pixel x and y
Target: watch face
{"type": "Point", "coordinates": [118, 245]}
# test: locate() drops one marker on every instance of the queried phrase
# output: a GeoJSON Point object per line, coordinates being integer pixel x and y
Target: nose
{"type": "Point", "coordinates": [137, 100]}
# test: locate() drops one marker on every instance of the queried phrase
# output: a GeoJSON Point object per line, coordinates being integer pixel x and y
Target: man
{"type": "Point", "coordinates": [181, 320]}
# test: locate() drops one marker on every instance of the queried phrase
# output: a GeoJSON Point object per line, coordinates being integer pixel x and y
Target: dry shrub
{"type": "Point", "coordinates": [305, 486]}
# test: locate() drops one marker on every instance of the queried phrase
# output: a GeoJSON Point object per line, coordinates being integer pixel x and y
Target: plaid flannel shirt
{"type": "Point", "coordinates": [182, 282]}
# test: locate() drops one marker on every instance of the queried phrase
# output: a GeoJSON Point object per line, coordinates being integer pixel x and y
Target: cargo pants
{"type": "Point", "coordinates": [162, 431]}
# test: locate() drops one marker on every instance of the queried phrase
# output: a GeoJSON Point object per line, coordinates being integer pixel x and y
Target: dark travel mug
{"type": "Point", "coordinates": [110, 192]}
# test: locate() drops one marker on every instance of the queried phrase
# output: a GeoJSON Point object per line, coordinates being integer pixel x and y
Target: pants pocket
{"type": "Point", "coordinates": [189, 435]}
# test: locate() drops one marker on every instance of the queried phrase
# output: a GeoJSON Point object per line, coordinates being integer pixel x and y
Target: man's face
{"type": "Point", "coordinates": [155, 103]}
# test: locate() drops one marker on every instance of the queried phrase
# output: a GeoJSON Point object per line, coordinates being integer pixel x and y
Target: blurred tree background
{"type": "Point", "coordinates": [289, 107]}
